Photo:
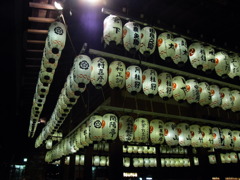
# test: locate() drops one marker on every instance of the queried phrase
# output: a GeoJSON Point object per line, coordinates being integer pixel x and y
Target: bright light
{"type": "Point", "coordinates": [148, 178]}
{"type": "Point", "coordinates": [92, 1]}
{"type": "Point", "coordinates": [25, 160]}
{"type": "Point", "coordinates": [58, 5]}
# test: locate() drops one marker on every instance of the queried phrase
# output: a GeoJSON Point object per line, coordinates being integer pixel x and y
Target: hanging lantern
{"type": "Point", "coordinates": [209, 64]}
{"type": "Point", "coordinates": [70, 93]}
{"type": "Point", "coordinates": [216, 137]}
{"type": "Point", "coordinates": [46, 75]}
{"type": "Point", "coordinates": [215, 96]}
{"type": "Point", "coordinates": [236, 100]}
{"type": "Point", "coordinates": [234, 63]}
{"type": "Point", "coordinates": [196, 135]}
{"type": "Point", "coordinates": [131, 37]}
{"type": "Point", "coordinates": [74, 86]}
{"type": "Point", "coordinates": [205, 93]}
{"type": "Point", "coordinates": [184, 135]}
{"type": "Point", "coordinates": [236, 140]}
{"type": "Point", "coordinates": [112, 30]}
{"type": "Point", "coordinates": [83, 134]}
{"type": "Point", "coordinates": [48, 54]}
{"type": "Point", "coordinates": [227, 98]}
{"type": "Point", "coordinates": [126, 128]}
{"type": "Point", "coordinates": [222, 67]}
{"type": "Point", "coordinates": [95, 128]}
{"type": "Point", "coordinates": [49, 144]}
{"type": "Point", "coordinates": [116, 78]}
{"type": "Point", "coordinates": [133, 79]}
{"type": "Point", "coordinates": [192, 91]}
{"type": "Point", "coordinates": [171, 133]}
{"type": "Point", "coordinates": [207, 136]}
{"type": "Point", "coordinates": [179, 88]}
{"type": "Point", "coordinates": [180, 56]}
{"type": "Point", "coordinates": [212, 159]}
{"type": "Point", "coordinates": [141, 130]}
{"type": "Point", "coordinates": [148, 41]}
{"type": "Point", "coordinates": [109, 126]}
{"type": "Point", "coordinates": [165, 46]}
{"type": "Point", "coordinates": [87, 134]}
{"type": "Point", "coordinates": [157, 131]}
{"type": "Point", "coordinates": [42, 89]}
{"type": "Point", "coordinates": [99, 72]}
{"type": "Point", "coordinates": [197, 55]}
{"type": "Point", "coordinates": [150, 82]}
{"type": "Point", "coordinates": [165, 85]}
{"type": "Point", "coordinates": [49, 63]}
{"type": "Point", "coordinates": [227, 141]}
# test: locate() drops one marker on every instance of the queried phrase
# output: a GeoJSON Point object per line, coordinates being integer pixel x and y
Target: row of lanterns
{"type": "Point", "coordinates": [145, 40]}
{"type": "Point", "coordinates": [230, 157]}
{"type": "Point", "coordinates": [177, 162]}
{"type": "Point", "coordinates": [139, 149]}
{"type": "Point", "coordinates": [54, 45]}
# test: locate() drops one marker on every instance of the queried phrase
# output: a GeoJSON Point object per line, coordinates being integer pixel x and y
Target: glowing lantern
{"type": "Point", "coordinates": [192, 91]}
{"type": "Point", "coordinates": [165, 85]}
{"type": "Point", "coordinates": [74, 86]}
{"type": "Point", "coordinates": [207, 136]}
{"type": "Point", "coordinates": [212, 159]}
{"type": "Point", "coordinates": [184, 135]}
{"type": "Point", "coordinates": [227, 139]}
{"type": "Point", "coordinates": [179, 88]}
{"type": "Point", "coordinates": [236, 100]}
{"type": "Point", "coordinates": [216, 137]}
{"type": "Point", "coordinates": [70, 93]}
{"type": "Point", "coordinates": [222, 66]}
{"type": "Point", "coordinates": [141, 130]}
{"type": "Point", "coordinates": [205, 93]}
{"type": "Point", "coordinates": [234, 64]}
{"type": "Point", "coordinates": [42, 89]}
{"type": "Point", "coordinates": [133, 79]}
{"type": "Point", "coordinates": [99, 72]}
{"type": "Point", "coordinates": [148, 41]}
{"type": "Point", "coordinates": [171, 133]}
{"type": "Point", "coordinates": [209, 64]}
{"type": "Point", "coordinates": [236, 140]}
{"type": "Point", "coordinates": [49, 144]}
{"type": "Point", "coordinates": [126, 128]}
{"type": "Point", "coordinates": [49, 55]}
{"type": "Point", "coordinates": [150, 82]}
{"type": "Point", "coordinates": [87, 134]}
{"type": "Point", "coordinates": [215, 96]}
{"type": "Point", "coordinates": [46, 75]}
{"type": "Point", "coordinates": [109, 126]}
{"type": "Point", "coordinates": [112, 30]}
{"type": "Point", "coordinates": [227, 98]}
{"type": "Point", "coordinates": [165, 45]}
{"type": "Point", "coordinates": [83, 134]}
{"type": "Point", "coordinates": [180, 56]}
{"type": "Point", "coordinates": [196, 135]}
{"type": "Point", "coordinates": [156, 131]}
{"type": "Point", "coordinates": [131, 36]}
{"type": "Point", "coordinates": [116, 78]}
{"type": "Point", "coordinates": [197, 55]}
{"type": "Point", "coordinates": [49, 63]}
{"type": "Point", "coordinates": [95, 128]}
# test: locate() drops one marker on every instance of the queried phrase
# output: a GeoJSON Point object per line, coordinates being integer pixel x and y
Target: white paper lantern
{"type": "Point", "coordinates": [87, 134]}
{"type": "Point", "coordinates": [212, 159]}
{"type": "Point", "coordinates": [46, 75]}
{"type": "Point", "coordinates": [131, 37]}
{"type": "Point", "coordinates": [234, 63]}
{"type": "Point", "coordinates": [148, 41]}
{"type": "Point", "coordinates": [184, 135]}
{"type": "Point", "coordinates": [165, 85]}
{"type": "Point", "coordinates": [179, 88]}
{"type": "Point", "coordinates": [133, 79]}
{"type": "Point", "coordinates": [42, 89]}
{"type": "Point", "coordinates": [112, 30]}
{"type": "Point", "coordinates": [197, 55]}
{"type": "Point", "coordinates": [222, 67]}
{"type": "Point", "coordinates": [227, 98]}
{"type": "Point", "coordinates": [180, 56]}
{"type": "Point", "coordinates": [70, 93]}
{"type": "Point", "coordinates": [141, 130]}
{"type": "Point", "coordinates": [236, 140]}
{"type": "Point", "coordinates": [109, 126]}
{"type": "Point", "coordinates": [99, 72]}
{"type": "Point", "coordinates": [75, 86]}
{"type": "Point", "coordinates": [49, 144]}
{"type": "Point", "coordinates": [156, 131]}
{"type": "Point", "coordinates": [48, 54]}
{"type": "Point", "coordinates": [49, 62]}
{"type": "Point", "coordinates": [126, 128]}
{"type": "Point", "coordinates": [236, 100]}
{"type": "Point", "coordinates": [95, 128]}
{"type": "Point", "coordinates": [150, 82]}
{"type": "Point", "coordinates": [227, 141]}
{"type": "Point", "coordinates": [209, 64]}
{"type": "Point", "coordinates": [83, 135]}
{"type": "Point", "coordinates": [171, 133]}
{"type": "Point", "coordinates": [216, 137]}
{"type": "Point", "coordinates": [215, 96]}
{"type": "Point", "coordinates": [207, 136]}
{"type": "Point", "coordinates": [205, 93]}
{"type": "Point", "coordinates": [196, 135]}
{"type": "Point", "coordinates": [234, 158]}
{"type": "Point", "coordinates": [116, 78]}
{"type": "Point", "coordinates": [192, 91]}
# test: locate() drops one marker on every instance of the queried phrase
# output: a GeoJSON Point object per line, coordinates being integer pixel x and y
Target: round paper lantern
{"type": "Point", "coordinates": [171, 133]}
{"type": "Point", "coordinates": [131, 37]}
{"type": "Point", "coordinates": [78, 138]}
{"type": "Point", "coordinates": [192, 91]}
{"type": "Point", "coordinates": [227, 141]}
{"type": "Point", "coordinates": [227, 98]}
{"type": "Point", "coordinates": [205, 93]}
{"type": "Point", "coordinates": [148, 41]}
{"type": "Point", "coordinates": [209, 64]}
{"type": "Point", "coordinates": [95, 128]}
{"type": "Point", "coordinates": [45, 76]}
{"type": "Point", "coordinates": [133, 79]}
{"type": "Point", "coordinates": [42, 89]}
{"type": "Point", "coordinates": [66, 99]}
{"type": "Point", "coordinates": [87, 134]}
{"type": "Point", "coordinates": [99, 72]}
{"type": "Point", "coordinates": [234, 63]}
{"type": "Point", "coordinates": [212, 159]}
{"type": "Point", "coordinates": [116, 78]}
{"type": "Point", "coordinates": [197, 55]}
{"type": "Point", "coordinates": [83, 134]}
{"type": "Point", "coordinates": [156, 131]}
{"type": "Point", "coordinates": [165, 46]}
{"type": "Point", "coordinates": [49, 63]}
{"type": "Point", "coordinates": [216, 137]}
{"type": "Point", "coordinates": [150, 82]}
{"type": "Point", "coordinates": [112, 30]}
{"type": "Point", "coordinates": [109, 126]}
{"type": "Point", "coordinates": [81, 70]}
{"type": "Point", "coordinates": [70, 93]}
{"type": "Point", "coordinates": [222, 67]}
{"type": "Point", "coordinates": [207, 136]}
{"type": "Point", "coordinates": [141, 130]}
{"type": "Point", "coordinates": [215, 96]}
{"type": "Point", "coordinates": [196, 135]}
{"type": "Point", "coordinates": [180, 56]}
{"type": "Point", "coordinates": [236, 140]}
{"type": "Point", "coordinates": [179, 88]}
{"type": "Point", "coordinates": [165, 85]}
{"type": "Point", "coordinates": [236, 100]}
{"type": "Point", "coordinates": [234, 158]}
{"type": "Point", "coordinates": [49, 55]}
{"type": "Point", "coordinates": [74, 86]}
{"type": "Point", "coordinates": [126, 128]}
{"type": "Point", "coordinates": [184, 135]}
{"type": "Point", "coordinates": [49, 144]}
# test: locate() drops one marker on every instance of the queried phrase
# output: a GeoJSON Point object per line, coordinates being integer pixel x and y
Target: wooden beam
{"type": "Point", "coordinates": [42, 6]}
{"type": "Point", "coordinates": [35, 50]}
{"type": "Point", "coordinates": [41, 19]}
{"type": "Point", "coordinates": [33, 59]}
{"type": "Point", "coordinates": [37, 31]}
{"type": "Point", "coordinates": [32, 66]}
{"type": "Point", "coordinates": [35, 42]}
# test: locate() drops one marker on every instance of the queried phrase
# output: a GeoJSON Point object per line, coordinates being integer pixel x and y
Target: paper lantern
{"type": "Point", "coordinates": [133, 79]}
{"type": "Point", "coordinates": [74, 86]}
{"type": "Point", "coordinates": [227, 98]}
{"type": "Point", "coordinates": [192, 91]}
{"type": "Point", "coordinates": [171, 134]}
{"type": "Point", "coordinates": [83, 134]}
{"type": "Point", "coordinates": [227, 141]}
{"type": "Point", "coordinates": [95, 128]}
{"type": "Point", "coordinates": [207, 136]}
{"type": "Point", "coordinates": [81, 70]}
{"type": "Point", "coordinates": [234, 158]}
{"type": "Point", "coordinates": [165, 85]}
{"type": "Point", "coordinates": [87, 134]}
{"type": "Point", "coordinates": [99, 72]}
{"type": "Point", "coordinates": [215, 96]}
{"type": "Point", "coordinates": [116, 78]}
{"type": "Point", "coordinates": [50, 63]}
{"type": "Point", "coordinates": [112, 30]}
{"type": "Point", "coordinates": [148, 41]}
{"type": "Point", "coordinates": [109, 126]}
{"type": "Point", "coordinates": [49, 55]}
{"type": "Point", "coordinates": [126, 128]}
{"type": "Point", "coordinates": [165, 46]}
{"type": "Point", "coordinates": [234, 63]}
{"type": "Point", "coordinates": [222, 67]}
{"type": "Point", "coordinates": [68, 99]}
{"type": "Point", "coordinates": [157, 131]}
{"type": "Point", "coordinates": [209, 64]}
{"type": "Point", "coordinates": [205, 93]}
{"type": "Point", "coordinates": [180, 56]}
{"type": "Point", "coordinates": [236, 140]}
{"type": "Point", "coordinates": [141, 130]}
{"type": "Point", "coordinates": [77, 135]}
{"type": "Point", "coordinates": [131, 37]}
{"type": "Point", "coordinates": [196, 135]}
{"type": "Point", "coordinates": [49, 144]}
{"type": "Point", "coordinates": [236, 100]}
{"type": "Point", "coordinates": [184, 135]}
{"type": "Point", "coordinates": [212, 159]}
{"type": "Point", "coordinates": [72, 95]}
{"type": "Point", "coordinates": [150, 82]}
{"type": "Point", "coordinates": [196, 55]}
{"type": "Point", "coordinates": [46, 75]}
{"type": "Point", "coordinates": [42, 89]}
{"type": "Point", "coordinates": [216, 137]}
{"type": "Point", "coordinates": [179, 88]}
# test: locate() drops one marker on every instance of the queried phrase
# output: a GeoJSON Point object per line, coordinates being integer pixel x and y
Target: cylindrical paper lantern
{"type": "Point", "coordinates": [216, 137]}
{"type": "Point", "coordinates": [171, 133]}
{"type": "Point", "coordinates": [179, 88]}
{"type": "Point", "coordinates": [222, 67]}
{"type": "Point", "coordinates": [205, 93]}
{"type": "Point", "coordinates": [141, 130]}
{"type": "Point", "coordinates": [196, 135]}
{"type": "Point", "coordinates": [156, 131]}
{"type": "Point", "coordinates": [109, 126]}
{"type": "Point", "coordinates": [207, 136]}
{"type": "Point", "coordinates": [45, 76]}
{"type": "Point", "coordinates": [212, 159]}
{"type": "Point", "coordinates": [236, 140]}
{"type": "Point", "coordinates": [234, 63]}
{"type": "Point", "coordinates": [133, 79]}
{"type": "Point", "coordinates": [236, 100]}
{"type": "Point", "coordinates": [227, 98]}
{"type": "Point", "coordinates": [75, 86]}
{"type": "Point", "coordinates": [227, 141]}
{"type": "Point", "coordinates": [95, 128]}
{"type": "Point", "coordinates": [48, 54]}
{"type": "Point", "coordinates": [150, 82]}
{"type": "Point", "coordinates": [184, 135]}
{"type": "Point", "coordinates": [197, 55]}
{"type": "Point", "coordinates": [148, 41]}
{"type": "Point", "coordinates": [126, 128]}
{"type": "Point", "coordinates": [42, 89]}
{"type": "Point", "coordinates": [116, 78]}
{"type": "Point", "coordinates": [49, 144]}
{"type": "Point", "coordinates": [49, 63]}
{"type": "Point", "coordinates": [209, 64]}
{"type": "Point", "coordinates": [165, 85]}
{"type": "Point", "coordinates": [180, 56]}
{"type": "Point", "coordinates": [216, 99]}
{"type": "Point", "coordinates": [192, 91]}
